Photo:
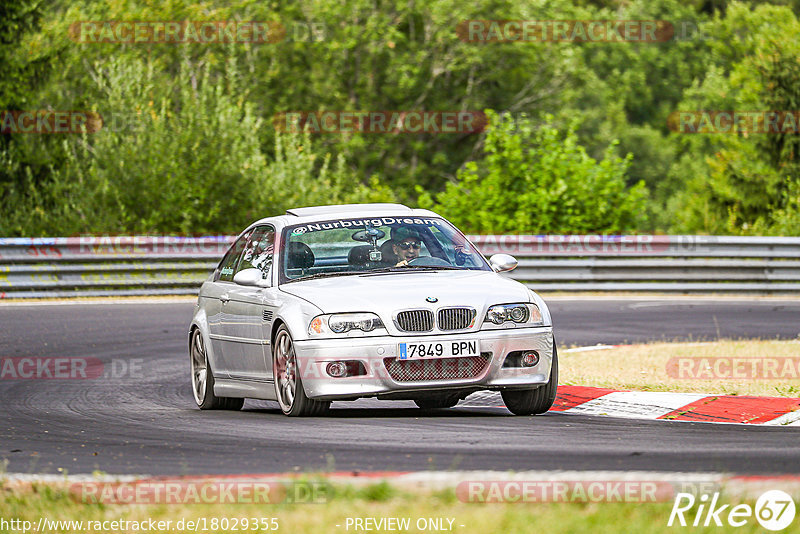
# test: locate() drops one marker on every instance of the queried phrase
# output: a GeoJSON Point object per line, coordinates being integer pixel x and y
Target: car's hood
{"type": "Point", "coordinates": [386, 293]}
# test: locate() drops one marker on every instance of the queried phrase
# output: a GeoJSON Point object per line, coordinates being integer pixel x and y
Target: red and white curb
{"type": "Point", "coordinates": [692, 407]}
{"type": "Point", "coordinates": [696, 407]}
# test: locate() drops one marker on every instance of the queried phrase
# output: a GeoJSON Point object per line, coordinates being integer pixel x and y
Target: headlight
{"type": "Point", "coordinates": [341, 323]}
{"type": "Point", "coordinates": [522, 313]}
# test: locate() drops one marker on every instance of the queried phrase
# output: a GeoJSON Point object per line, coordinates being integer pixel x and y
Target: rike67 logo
{"type": "Point", "coordinates": [774, 510]}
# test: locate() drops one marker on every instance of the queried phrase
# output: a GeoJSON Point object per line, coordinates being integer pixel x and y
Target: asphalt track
{"type": "Point", "coordinates": [147, 423]}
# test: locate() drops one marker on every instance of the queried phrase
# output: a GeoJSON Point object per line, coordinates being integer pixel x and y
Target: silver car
{"type": "Point", "coordinates": [367, 300]}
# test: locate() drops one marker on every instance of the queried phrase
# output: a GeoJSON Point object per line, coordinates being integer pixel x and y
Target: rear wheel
{"type": "Point", "coordinates": [288, 384]}
{"type": "Point", "coordinates": [203, 379]}
{"type": "Point", "coordinates": [534, 401]}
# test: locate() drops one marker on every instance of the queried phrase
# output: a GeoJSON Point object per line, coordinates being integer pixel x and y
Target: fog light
{"type": "Point", "coordinates": [337, 369]}
{"type": "Point", "coordinates": [530, 358]}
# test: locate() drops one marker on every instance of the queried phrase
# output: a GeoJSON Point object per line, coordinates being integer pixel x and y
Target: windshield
{"type": "Point", "coordinates": [377, 244]}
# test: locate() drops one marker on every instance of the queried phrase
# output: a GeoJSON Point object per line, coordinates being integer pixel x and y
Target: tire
{"type": "Point", "coordinates": [534, 401]}
{"type": "Point", "coordinates": [436, 403]}
{"type": "Point", "coordinates": [288, 383]}
{"type": "Point", "coordinates": [203, 379]}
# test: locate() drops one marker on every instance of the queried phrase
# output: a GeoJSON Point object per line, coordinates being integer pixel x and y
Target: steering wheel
{"type": "Point", "coordinates": [367, 235]}
{"type": "Point", "coordinates": [429, 261]}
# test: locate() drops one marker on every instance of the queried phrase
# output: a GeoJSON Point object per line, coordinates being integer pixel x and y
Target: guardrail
{"type": "Point", "coordinates": [105, 266]}
{"type": "Point", "coordinates": [679, 264]}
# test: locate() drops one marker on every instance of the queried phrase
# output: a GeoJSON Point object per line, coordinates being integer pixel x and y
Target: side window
{"type": "Point", "coordinates": [259, 251]}
{"type": "Point", "coordinates": [227, 266]}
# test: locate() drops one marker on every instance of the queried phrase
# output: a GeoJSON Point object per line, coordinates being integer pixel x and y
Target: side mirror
{"type": "Point", "coordinates": [503, 262]}
{"type": "Point", "coordinates": [250, 277]}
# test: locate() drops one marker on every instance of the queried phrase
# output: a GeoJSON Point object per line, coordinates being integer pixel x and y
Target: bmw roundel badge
{"type": "Point", "coordinates": [432, 299]}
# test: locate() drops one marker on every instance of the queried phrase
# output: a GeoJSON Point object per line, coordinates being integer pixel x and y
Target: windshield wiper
{"type": "Point", "coordinates": [326, 275]}
{"type": "Point", "coordinates": [407, 268]}
{"type": "Point", "coordinates": [393, 269]}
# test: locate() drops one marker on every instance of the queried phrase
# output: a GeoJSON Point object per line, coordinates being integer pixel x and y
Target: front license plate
{"type": "Point", "coordinates": [438, 349]}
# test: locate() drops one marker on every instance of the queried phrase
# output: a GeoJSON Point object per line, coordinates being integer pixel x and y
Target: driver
{"type": "Point", "coordinates": [407, 245]}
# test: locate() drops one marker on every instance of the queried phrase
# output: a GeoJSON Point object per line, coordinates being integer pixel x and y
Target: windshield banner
{"type": "Point", "coordinates": [355, 223]}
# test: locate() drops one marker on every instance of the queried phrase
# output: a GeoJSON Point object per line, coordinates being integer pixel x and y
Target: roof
{"type": "Point", "coordinates": [320, 213]}
{"type": "Point", "coordinates": [348, 208]}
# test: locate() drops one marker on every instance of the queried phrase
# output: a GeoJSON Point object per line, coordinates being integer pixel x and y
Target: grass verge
{"type": "Point", "coordinates": [762, 368]}
{"type": "Point", "coordinates": [449, 514]}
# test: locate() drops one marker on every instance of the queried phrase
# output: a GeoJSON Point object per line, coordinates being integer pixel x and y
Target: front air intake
{"type": "Point", "coordinates": [456, 318]}
{"type": "Point", "coordinates": [415, 321]}
{"type": "Point", "coordinates": [423, 370]}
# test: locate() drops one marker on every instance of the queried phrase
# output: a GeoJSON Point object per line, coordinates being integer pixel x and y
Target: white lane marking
{"type": "Point", "coordinates": [11, 303]}
{"type": "Point", "coordinates": [482, 399]}
{"type": "Point", "coordinates": [787, 419]}
{"type": "Point", "coordinates": [767, 299]}
{"type": "Point", "coordinates": [636, 404]}
{"type": "Point", "coordinates": [592, 347]}
{"type": "Point", "coordinates": [700, 302]}
{"type": "Point", "coordinates": [417, 478]}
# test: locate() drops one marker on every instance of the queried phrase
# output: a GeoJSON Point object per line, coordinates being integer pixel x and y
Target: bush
{"type": "Point", "coordinates": [540, 180]}
{"type": "Point", "coordinates": [178, 156]}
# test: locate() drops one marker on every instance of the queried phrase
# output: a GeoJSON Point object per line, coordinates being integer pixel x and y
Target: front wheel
{"type": "Point", "coordinates": [534, 401]}
{"type": "Point", "coordinates": [288, 384]}
{"type": "Point", "coordinates": [203, 379]}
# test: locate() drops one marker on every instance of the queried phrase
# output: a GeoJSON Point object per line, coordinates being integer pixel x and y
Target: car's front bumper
{"type": "Point", "coordinates": [375, 352]}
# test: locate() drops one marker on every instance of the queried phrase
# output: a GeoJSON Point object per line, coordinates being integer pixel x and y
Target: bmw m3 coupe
{"type": "Point", "coordinates": [336, 303]}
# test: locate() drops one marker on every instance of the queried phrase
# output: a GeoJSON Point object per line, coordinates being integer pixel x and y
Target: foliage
{"type": "Point", "coordinates": [745, 182]}
{"type": "Point", "coordinates": [183, 157]}
{"type": "Point", "coordinates": [540, 180]}
{"type": "Point", "coordinates": [193, 148]}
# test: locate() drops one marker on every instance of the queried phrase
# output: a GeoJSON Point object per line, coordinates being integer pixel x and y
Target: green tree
{"type": "Point", "coordinates": [743, 182]}
{"type": "Point", "coordinates": [537, 179]}
{"type": "Point", "coordinates": [630, 88]}
{"type": "Point", "coordinates": [182, 157]}
{"type": "Point", "coordinates": [400, 55]}
{"type": "Point", "coordinates": [26, 69]}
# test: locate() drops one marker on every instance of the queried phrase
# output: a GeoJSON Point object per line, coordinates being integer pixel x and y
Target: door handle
{"type": "Point", "coordinates": [224, 298]}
